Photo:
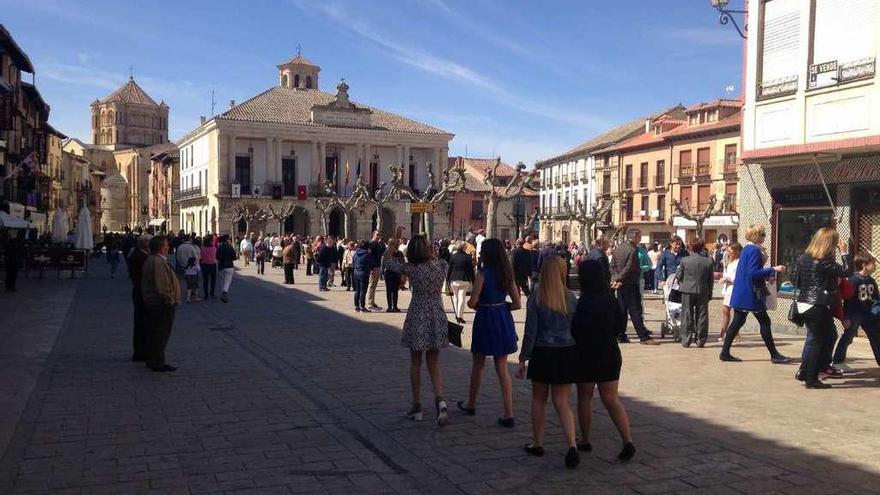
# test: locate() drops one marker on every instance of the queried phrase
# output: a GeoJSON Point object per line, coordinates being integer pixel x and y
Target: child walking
{"type": "Point", "coordinates": [191, 273]}
{"type": "Point", "coordinates": [859, 311]}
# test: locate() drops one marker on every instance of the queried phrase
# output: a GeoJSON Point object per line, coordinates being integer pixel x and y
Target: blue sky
{"type": "Point", "coordinates": [521, 79]}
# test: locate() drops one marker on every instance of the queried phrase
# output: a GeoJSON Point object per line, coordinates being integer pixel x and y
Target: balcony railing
{"type": "Point", "coordinates": [730, 165]}
{"type": "Point", "coordinates": [857, 69]}
{"type": "Point", "coordinates": [686, 169]}
{"type": "Point", "coordinates": [703, 169]}
{"type": "Point", "coordinates": [184, 194]}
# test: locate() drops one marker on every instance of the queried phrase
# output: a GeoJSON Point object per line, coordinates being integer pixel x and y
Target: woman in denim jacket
{"type": "Point", "coordinates": [550, 351]}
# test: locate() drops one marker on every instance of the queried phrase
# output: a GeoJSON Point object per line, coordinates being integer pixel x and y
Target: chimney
{"type": "Point", "coordinates": [201, 120]}
{"type": "Point", "coordinates": [231, 104]}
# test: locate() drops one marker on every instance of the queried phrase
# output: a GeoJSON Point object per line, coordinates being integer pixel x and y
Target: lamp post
{"type": "Point", "coordinates": [726, 15]}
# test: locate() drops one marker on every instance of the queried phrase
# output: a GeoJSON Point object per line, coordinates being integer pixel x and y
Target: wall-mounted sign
{"type": "Point", "coordinates": [302, 193]}
{"type": "Point", "coordinates": [824, 74]}
{"type": "Point", "coordinates": [422, 208]}
{"type": "Point", "coordinates": [802, 196]}
{"type": "Point", "coordinates": [236, 190]}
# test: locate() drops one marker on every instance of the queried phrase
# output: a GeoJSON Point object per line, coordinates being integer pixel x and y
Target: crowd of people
{"type": "Point", "coordinates": [569, 341]}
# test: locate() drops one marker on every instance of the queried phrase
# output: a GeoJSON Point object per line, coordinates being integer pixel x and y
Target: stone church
{"type": "Point", "coordinates": [128, 127]}
{"type": "Point", "coordinates": [278, 148]}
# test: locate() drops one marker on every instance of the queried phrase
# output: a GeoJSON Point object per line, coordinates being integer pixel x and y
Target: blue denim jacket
{"type": "Point", "coordinates": [545, 328]}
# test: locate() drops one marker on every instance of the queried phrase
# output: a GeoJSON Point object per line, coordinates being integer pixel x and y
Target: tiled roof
{"type": "Point", "coordinates": [299, 60]}
{"type": "Point", "coordinates": [730, 123]}
{"type": "Point", "coordinates": [613, 136]}
{"type": "Point", "coordinates": [475, 172]}
{"type": "Point", "coordinates": [280, 105]}
{"type": "Point", "coordinates": [719, 102]}
{"type": "Point", "coordinates": [130, 92]}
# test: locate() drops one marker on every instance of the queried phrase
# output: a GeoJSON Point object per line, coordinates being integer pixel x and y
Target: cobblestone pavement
{"type": "Point", "coordinates": [285, 390]}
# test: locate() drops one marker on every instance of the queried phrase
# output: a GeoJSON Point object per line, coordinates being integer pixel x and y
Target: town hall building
{"type": "Point", "coordinates": [279, 148]}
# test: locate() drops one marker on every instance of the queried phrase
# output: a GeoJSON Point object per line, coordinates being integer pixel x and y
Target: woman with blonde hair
{"type": "Point", "coordinates": [551, 354]}
{"type": "Point", "coordinates": [749, 293]}
{"type": "Point", "coordinates": [815, 279]}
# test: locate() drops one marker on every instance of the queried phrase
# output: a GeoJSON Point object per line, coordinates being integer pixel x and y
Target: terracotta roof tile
{"type": "Point", "coordinates": [730, 123]}
{"type": "Point", "coordinates": [280, 105]}
{"type": "Point", "coordinates": [299, 60]}
{"type": "Point", "coordinates": [718, 102]}
{"type": "Point", "coordinates": [130, 92]}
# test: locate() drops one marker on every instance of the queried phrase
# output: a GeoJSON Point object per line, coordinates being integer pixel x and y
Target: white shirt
{"type": "Point", "coordinates": [729, 273]}
{"type": "Point", "coordinates": [246, 246]}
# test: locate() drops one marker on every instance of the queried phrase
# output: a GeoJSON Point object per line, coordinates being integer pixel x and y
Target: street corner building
{"type": "Point", "coordinates": [285, 147]}
{"type": "Point", "coordinates": [811, 126]}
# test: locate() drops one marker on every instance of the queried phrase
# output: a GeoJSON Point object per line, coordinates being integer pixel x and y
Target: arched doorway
{"type": "Point", "coordinates": [336, 223]}
{"type": "Point", "coordinates": [297, 223]}
{"type": "Point", "coordinates": [387, 223]}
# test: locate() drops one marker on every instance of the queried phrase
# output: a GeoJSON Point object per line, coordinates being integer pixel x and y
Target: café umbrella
{"type": "Point", "coordinates": [84, 239]}
{"type": "Point", "coordinates": [60, 225]}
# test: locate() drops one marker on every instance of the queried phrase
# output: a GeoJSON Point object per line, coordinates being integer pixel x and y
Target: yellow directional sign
{"type": "Point", "coordinates": [422, 207]}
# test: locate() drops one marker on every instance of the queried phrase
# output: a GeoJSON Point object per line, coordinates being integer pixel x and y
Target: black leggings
{"type": "Point", "coordinates": [392, 289]}
{"type": "Point", "coordinates": [739, 319]}
{"type": "Point", "coordinates": [209, 278]}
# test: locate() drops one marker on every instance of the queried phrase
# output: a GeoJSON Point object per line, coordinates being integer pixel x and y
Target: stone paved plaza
{"type": "Point", "coordinates": [286, 390]}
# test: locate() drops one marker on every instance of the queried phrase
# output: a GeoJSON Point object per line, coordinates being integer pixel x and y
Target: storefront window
{"type": "Point", "coordinates": [794, 229]}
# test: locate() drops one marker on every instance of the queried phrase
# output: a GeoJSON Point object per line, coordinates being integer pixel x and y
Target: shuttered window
{"type": "Point", "coordinates": [781, 47]}
{"type": "Point", "coordinates": [845, 30]}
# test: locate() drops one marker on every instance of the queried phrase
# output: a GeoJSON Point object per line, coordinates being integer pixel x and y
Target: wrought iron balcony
{"type": "Point", "coordinates": [686, 169]}
{"type": "Point", "coordinates": [778, 87]}
{"type": "Point", "coordinates": [857, 69]}
{"type": "Point", "coordinates": [191, 193]}
{"type": "Point", "coordinates": [703, 169]}
{"type": "Point", "coordinates": [730, 166]}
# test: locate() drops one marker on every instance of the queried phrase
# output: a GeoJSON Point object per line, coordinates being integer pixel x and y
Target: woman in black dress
{"type": "Point", "coordinates": [593, 328]}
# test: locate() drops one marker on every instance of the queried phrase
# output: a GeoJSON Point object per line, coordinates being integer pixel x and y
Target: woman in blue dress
{"type": "Point", "coordinates": [494, 333]}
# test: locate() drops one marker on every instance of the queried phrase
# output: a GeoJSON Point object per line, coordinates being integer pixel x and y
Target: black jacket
{"type": "Point", "coordinates": [816, 280]}
{"type": "Point", "coordinates": [225, 256]}
{"type": "Point", "coordinates": [461, 267]}
{"type": "Point", "coordinates": [521, 259]}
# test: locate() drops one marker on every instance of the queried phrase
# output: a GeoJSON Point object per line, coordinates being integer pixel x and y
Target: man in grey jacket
{"type": "Point", "coordinates": [696, 278]}
{"type": "Point", "coordinates": [625, 275]}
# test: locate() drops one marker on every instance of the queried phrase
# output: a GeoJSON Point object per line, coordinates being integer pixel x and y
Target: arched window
{"type": "Point", "coordinates": [296, 81]}
{"type": "Point", "coordinates": [284, 80]}
{"type": "Point", "coordinates": [308, 82]}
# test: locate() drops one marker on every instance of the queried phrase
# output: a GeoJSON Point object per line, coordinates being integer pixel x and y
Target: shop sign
{"type": "Point", "coordinates": [422, 207]}
{"type": "Point", "coordinates": [847, 171]}
{"type": "Point", "coordinates": [824, 74]}
{"type": "Point", "coordinates": [802, 196]}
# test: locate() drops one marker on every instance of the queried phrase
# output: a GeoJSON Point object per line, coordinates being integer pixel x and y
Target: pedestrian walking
{"type": "Point", "coordinates": [425, 330]}
{"type": "Point", "coordinates": [288, 256]}
{"type": "Point", "coordinates": [549, 349]}
{"type": "Point", "coordinates": [815, 278]}
{"type": "Point", "coordinates": [246, 248]}
{"type": "Point", "coordinates": [261, 250]}
{"type": "Point", "coordinates": [696, 280]}
{"type": "Point", "coordinates": [460, 279]}
{"type": "Point", "coordinates": [324, 258]}
{"type": "Point", "coordinates": [362, 262]}
{"type": "Point", "coordinates": [626, 273]}
{"type": "Point", "coordinates": [594, 329]}
{"type": "Point", "coordinates": [161, 293]}
{"type": "Point", "coordinates": [225, 260]}
{"type": "Point", "coordinates": [208, 265]}
{"type": "Point", "coordinates": [727, 279]}
{"type": "Point", "coordinates": [112, 247]}
{"type": "Point", "coordinates": [859, 311]}
{"type": "Point", "coordinates": [377, 248]}
{"type": "Point", "coordinates": [392, 278]}
{"type": "Point", "coordinates": [348, 266]}
{"type": "Point", "coordinates": [135, 263]}
{"type": "Point", "coordinates": [521, 260]}
{"type": "Point", "coordinates": [493, 333]}
{"type": "Point", "coordinates": [191, 275]}
{"type": "Point", "coordinates": [749, 294]}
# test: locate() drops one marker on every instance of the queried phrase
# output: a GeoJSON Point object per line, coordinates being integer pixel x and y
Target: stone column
{"type": "Point", "coordinates": [437, 165]}
{"type": "Point", "coordinates": [365, 165]}
{"type": "Point", "coordinates": [444, 159]}
{"type": "Point", "coordinates": [270, 161]}
{"type": "Point", "coordinates": [314, 170]}
{"type": "Point", "coordinates": [231, 166]}
{"type": "Point", "coordinates": [406, 151]}
{"type": "Point", "coordinates": [279, 152]}
{"type": "Point", "coordinates": [322, 162]}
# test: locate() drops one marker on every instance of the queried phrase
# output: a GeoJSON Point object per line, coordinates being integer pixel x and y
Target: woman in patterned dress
{"type": "Point", "coordinates": [425, 328]}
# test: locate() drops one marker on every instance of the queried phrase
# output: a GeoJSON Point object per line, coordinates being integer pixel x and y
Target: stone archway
{"type": "Point", "coordinates": [336, 222]}
{"type": "Point", "coordinates": [297, 223]}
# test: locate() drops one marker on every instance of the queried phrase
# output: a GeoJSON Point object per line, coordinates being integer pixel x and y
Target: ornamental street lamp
{"type": "Point", "coordinates": [726, 15]}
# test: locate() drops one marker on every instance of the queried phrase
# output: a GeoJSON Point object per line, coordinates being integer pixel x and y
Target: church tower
{"type": "Point", "coordinates": [298, 73]}
{"type": "Point", "coordinates": [129, 118]}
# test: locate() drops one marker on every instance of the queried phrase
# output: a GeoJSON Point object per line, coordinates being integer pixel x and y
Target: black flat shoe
{"type": "Point", "coordinates": [780, 359]}
{"type": "Point", "coordinates": [628, 452]}
{"type": "Point", "coordinates": [535, 451]}
{"type": "Point", "coordinates": [585, 447]}
{"type": "Point", "coordinates": [799, 375]}
{"type": "Point", "coordinates": [507, 422]}
{"type": "Point", "coordinates": [572, 458]}
{"type": "Point", "coordinates": [817, 385]}
{"type": "Point", "coordinates": [729, 359]}
{"type": "Point", "coordinates": [470, 411]}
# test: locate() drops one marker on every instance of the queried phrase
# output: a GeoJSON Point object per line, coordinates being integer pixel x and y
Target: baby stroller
{"type": "Point", "coordinates": [672, 303]}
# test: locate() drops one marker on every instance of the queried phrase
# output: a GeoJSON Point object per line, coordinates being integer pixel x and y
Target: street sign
{"type": "Point", "coordinates": [422, 207]}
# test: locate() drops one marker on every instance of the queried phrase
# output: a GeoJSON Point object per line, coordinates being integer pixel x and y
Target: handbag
{"type": "Point", "coordinates": [794, 315]}
{"type": "Point", "coordinates": [454, 330]}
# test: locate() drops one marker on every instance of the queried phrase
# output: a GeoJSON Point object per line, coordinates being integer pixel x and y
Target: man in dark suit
{"type": "Point", "coordinates": [597, 252]}
{"type": "Point", "coordinates": [696, 279]}
{"type": "Point", "coordinates": [625, 275]}
{"type": "Point", "coordinates": [297, 252]}
{"type": "Point", "coordinates": [521, 259]}
{"type": "Point", "coordinates": [135, 263]}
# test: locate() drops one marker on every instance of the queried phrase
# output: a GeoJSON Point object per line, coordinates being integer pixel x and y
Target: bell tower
{"type": "Point", "coordinates": [298, 73]}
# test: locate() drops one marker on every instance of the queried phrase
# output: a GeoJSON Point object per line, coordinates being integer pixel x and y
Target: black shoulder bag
{"type": "Point", "coordinates": [794, 315]}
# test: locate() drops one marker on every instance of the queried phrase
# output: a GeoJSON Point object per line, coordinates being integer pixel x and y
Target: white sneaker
{"type": "Point", "coordinates": [442, 413]}
{"type": "Point", "coordinates": [415, 413]}
{"type": "Point", "coordinates": [843, 368]}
